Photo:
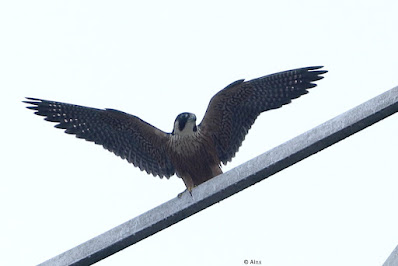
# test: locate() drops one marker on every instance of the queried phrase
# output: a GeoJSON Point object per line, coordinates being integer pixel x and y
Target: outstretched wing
{"type": "Point", "coordinates": [123, 134]}
{"type": "Point", "coordinates": [233, 110]}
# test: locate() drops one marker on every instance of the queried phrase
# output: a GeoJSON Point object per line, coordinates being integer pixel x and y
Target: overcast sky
{"type": "Point", "coordinates": [156, 59]}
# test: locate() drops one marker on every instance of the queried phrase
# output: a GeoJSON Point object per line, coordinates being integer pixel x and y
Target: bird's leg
{"type": "Point", "coordinates": [188, 183]}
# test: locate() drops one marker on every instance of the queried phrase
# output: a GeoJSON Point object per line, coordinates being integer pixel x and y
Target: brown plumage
{"type": "Point", "coordinates": [194, 153]}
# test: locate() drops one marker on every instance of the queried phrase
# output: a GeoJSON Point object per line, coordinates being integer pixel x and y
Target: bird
{"type": "Point", "coordinates": [194, 152]}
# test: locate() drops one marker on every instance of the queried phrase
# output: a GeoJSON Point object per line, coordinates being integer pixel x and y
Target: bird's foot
{"type": "Point", "coordinates": [189, 190]}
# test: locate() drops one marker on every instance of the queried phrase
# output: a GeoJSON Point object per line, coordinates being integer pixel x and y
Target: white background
{"type": "Point", "coordinates": [156, 59]}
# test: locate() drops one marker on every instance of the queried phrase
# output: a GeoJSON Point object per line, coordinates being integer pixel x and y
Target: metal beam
{"type": "Point", "coordinates": [231, 182]}
{"type": "Point", "coordinates": [392, 260]}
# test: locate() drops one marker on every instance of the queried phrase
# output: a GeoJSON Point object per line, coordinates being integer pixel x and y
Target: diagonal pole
{"type": "Point", "coordinates": [231, 182]}
{"type": "Point", "coordinates": [392, 260]}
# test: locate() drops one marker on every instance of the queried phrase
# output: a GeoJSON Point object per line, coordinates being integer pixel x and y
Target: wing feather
{"type": "Point", "coordinates": [233, 110]}
{"type": "Point", "coordinates": [123, 134]}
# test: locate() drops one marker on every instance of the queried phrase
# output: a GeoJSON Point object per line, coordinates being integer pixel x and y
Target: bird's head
{"type": "Point", "coordinates": [185, 124]}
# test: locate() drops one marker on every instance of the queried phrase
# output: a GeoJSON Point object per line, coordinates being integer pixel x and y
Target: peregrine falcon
{"type": "Point", "coordinates": [192, 152]}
